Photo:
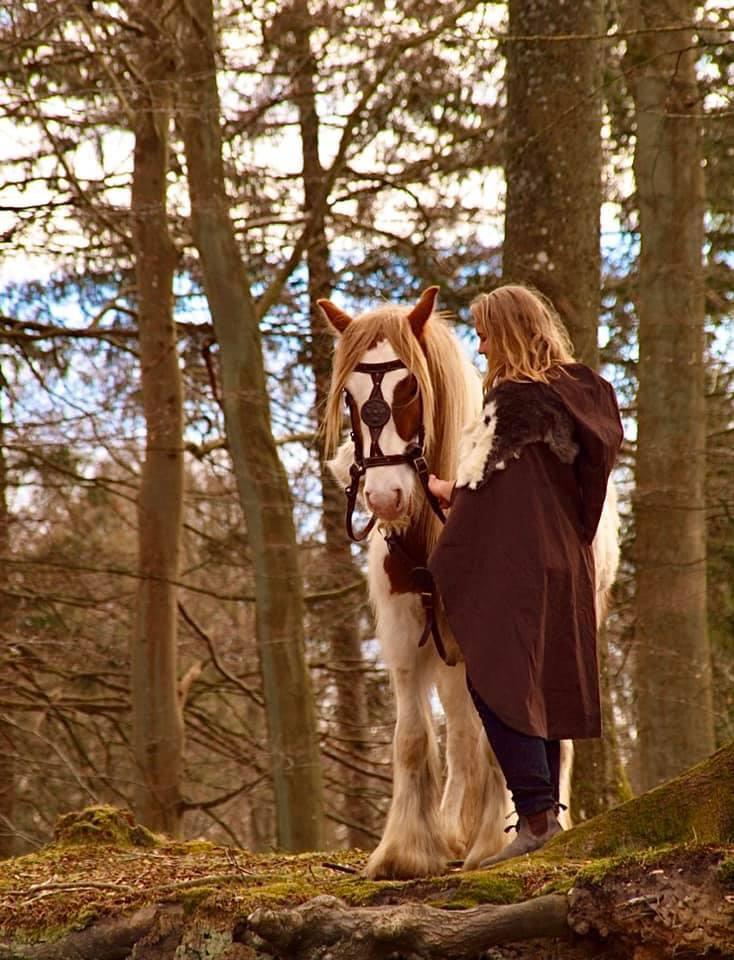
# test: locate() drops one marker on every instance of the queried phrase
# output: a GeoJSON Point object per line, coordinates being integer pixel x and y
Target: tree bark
{"type": "Point", "coordinates": [696, 806]}
{"type": "Point", "coordinates": [553, 160]}
{"type": "Point", "coordinates": [672, 653]}
{"type": "Point", "coordinates": [156, 714]}
{"type": "Point", "coordinates": [111, 939]}
{"type": "Point", "coordinates": [410, 929]}
{"type": "Point", "coordinates": [599, 781]}
{"type": "Point", "coordinates": [339, 618]}
{"type": "Point", "coordinates": [8, 786]}
{"type": "Point", "coordinates": [553, 173]}
{"type": "Point", "coordinates": [261, 479]}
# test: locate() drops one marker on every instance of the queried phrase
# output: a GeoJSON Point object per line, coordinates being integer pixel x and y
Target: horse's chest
{"type": "Point", "coordinates": [402, 560]}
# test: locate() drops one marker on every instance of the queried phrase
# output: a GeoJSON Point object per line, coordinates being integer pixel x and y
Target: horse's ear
{"type": "Point", "coordinates": [422, 311]}
{"type": "Point", "coordinates": [334, 316]}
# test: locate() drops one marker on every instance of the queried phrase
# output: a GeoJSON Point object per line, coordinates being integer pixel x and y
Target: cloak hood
{"type": "Point", "coordinates": [592, 405]}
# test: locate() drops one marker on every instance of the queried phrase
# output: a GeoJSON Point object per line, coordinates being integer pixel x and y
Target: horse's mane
{"type": "Point", "coordinates": [450, 387]}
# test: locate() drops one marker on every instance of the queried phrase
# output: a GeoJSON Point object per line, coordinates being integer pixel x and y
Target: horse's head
{"type": "Point", "coordinates": [381, 367]}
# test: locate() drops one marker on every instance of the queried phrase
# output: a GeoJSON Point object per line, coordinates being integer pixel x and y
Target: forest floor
{"type": "Point", "coordinates": [107, 888]}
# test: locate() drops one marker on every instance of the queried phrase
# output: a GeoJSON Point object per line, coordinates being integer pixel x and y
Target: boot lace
{"type": "Point", "coordinates": [513, 826]}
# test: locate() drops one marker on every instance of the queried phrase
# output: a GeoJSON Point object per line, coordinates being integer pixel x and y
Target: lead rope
{"type": "Point", "coordinates": [375, 414]}
{"type": "Point", "coordinates": [423, 582]}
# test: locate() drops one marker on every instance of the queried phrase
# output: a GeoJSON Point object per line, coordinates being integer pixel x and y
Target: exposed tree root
{"type": "Point", "coordinates": [679, 906]}
{"type": "Point", "coordinates": [410, 930]}
{"type": "Point", "coordinates": [109, 940]}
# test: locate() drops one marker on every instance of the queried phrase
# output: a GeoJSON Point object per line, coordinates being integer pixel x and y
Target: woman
{"type": "Point", "coordinates": [514, 564]}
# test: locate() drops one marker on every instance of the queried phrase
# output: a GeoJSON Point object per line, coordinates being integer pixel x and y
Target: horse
{"type": "Point", "coordinates": [410, 391]}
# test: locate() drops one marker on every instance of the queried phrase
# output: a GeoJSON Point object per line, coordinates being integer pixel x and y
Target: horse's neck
{"type": "Point", "coordinates": [424, 528]}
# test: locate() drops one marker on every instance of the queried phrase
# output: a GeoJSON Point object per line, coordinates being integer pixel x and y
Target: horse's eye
{"type": "Point", "coordinates": [406, 392]}
{"type": "Point", "coordinates": [406, 403]}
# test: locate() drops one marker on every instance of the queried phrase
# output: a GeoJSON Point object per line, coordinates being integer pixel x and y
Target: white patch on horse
{"type": "Point", "coordinates": [388, 488]}
{"type": "Point", "coordinates": [341, 462]}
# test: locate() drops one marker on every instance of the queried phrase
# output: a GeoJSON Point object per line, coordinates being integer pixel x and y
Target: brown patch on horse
{"type": "Point", "coordinates": [407, 410]}
{"type": "Point", "coordinates": [398, 571]}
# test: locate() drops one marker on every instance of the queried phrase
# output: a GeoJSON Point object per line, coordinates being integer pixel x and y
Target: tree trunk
{"type": "Point", "coordinates": [599, 779]}
{"type": "Point", "coordinates": [553, 172]}
{"type": "Point", "coordinates": [672, 654]}
{"type": "Point", "coordinates": [7, 744]}
{"type": "Point", "coordinates": [553, 163]}
{"type": "Point", "coordinates": [261, 479]}
{"type": "Point", "coordinates": [156, 715]}
{"type": "Point", "coordinates": [697, 806]}
{"type": "Point", "coordinates": [339, 617]}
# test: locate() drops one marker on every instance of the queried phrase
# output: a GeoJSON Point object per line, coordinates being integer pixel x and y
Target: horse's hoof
{"type": "Point", "coordinates": [390, 866]}
{"type": "Point", "coordinates": [456, 844]}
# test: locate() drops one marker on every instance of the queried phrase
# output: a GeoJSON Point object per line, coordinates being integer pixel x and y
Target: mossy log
{"type": "Point", "coordinates": [651, 879]}
{"type": "Point", "coordinates": [697, 806]}
{"type": "Point", "coordinates": [410, 930]}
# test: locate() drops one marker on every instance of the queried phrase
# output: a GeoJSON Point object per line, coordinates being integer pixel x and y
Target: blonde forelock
{"type": "Point", "coordinates": [440, 369]}
{"type": "Point", "coordinates": [363, 333]}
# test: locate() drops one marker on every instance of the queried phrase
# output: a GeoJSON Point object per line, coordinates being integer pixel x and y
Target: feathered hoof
{"type": "Point", "coordinates": [389, 863]}
{"type": "Point", "coordinates": [456, 842]}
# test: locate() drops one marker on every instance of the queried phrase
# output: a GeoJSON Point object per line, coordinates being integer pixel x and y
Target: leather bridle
{"type": "Point", "coordinates": [375, 414]}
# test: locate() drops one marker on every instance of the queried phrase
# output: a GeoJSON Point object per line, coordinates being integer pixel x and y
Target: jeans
{"type": "Point", "coordinates": [531, 765]}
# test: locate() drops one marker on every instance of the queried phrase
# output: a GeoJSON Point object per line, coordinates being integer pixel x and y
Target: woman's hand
{"type": "Point", "coordinates": [442, 490]}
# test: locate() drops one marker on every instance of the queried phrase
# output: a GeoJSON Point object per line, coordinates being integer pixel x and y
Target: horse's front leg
{"type": "Point", "coordinates": [465, 777]}
{"type": "Point", "coordinates": [475, 800]}
{"type": "Point", "coordinates": [412, 844]}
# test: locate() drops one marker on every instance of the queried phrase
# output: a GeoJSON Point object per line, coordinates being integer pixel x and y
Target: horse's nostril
{"type": "Point", "coordinates": [398, 497]}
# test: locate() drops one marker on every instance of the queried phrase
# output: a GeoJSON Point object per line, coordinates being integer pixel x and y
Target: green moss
{"type": "Point", "coordinates": [484, 887]}
{"type": "Point", "coordinates": [109, 872]}
{"type": "Point", "coordinates": [695, 807]}
{"type": "Point", "coordinates": [85, 917]}
{"type": "Point", "coordinates": [725, 872]}
{"type": "Point", "coordinates": [624, 787]}
{"type": "Point", "coordinates": [291, 891]}
{"type": "Point", "coordinates": [103, 824]}
{"type": "Point", "coordinates": [361, 892]}
{"type": "Point", "coordinates": [596, 871]}
{"type": "Point", "coordinates": [193, 897]}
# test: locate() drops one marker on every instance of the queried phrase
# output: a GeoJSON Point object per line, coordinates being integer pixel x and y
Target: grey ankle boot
{"type": "Point", "coordinates": [526, 840]}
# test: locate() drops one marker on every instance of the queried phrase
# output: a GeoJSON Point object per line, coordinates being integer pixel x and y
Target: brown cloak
{"type": "Point", "coordinates": [514, 564]}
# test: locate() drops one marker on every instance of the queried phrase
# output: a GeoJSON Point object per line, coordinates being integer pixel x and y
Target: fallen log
{"type": "Point", "coordinates": [409, 930]}
{"type": "Point", "coordinates": [650, 880]}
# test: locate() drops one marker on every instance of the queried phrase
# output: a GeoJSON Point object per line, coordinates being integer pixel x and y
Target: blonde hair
{"type": "Point", "coordinates": [526, 339]}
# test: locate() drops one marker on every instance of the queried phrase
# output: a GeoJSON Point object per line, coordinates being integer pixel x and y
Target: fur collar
{"type": "Point", "coordinates": [514, 415]}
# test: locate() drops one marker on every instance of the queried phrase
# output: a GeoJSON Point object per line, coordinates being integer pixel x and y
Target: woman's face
{"type": "Point", "coordinates": [483, 347]}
